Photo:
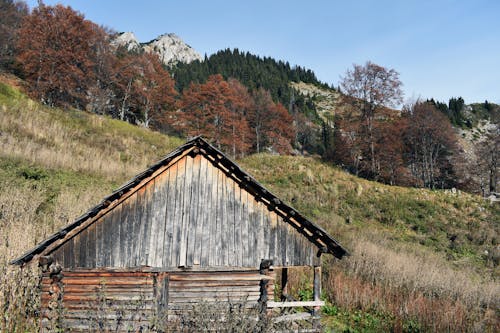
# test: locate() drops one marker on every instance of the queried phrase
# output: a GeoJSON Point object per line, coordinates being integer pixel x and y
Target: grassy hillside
{"type": "Point", "coordinates": [421, 260]}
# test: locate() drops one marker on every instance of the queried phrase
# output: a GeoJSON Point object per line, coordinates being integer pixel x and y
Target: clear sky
{"type": "Point", "coordinates": [441, 48]}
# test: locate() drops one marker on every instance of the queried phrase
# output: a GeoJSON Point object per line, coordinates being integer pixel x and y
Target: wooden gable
{"type": "Point", "coordinates": [195, 208]}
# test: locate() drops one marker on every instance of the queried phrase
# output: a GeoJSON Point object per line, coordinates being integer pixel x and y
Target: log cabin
{"type": "Point", "coordinates": [194, 227]}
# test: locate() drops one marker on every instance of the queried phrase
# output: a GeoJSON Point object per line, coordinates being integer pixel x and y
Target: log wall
{"type": "Point", "coordinates": [135, 301]}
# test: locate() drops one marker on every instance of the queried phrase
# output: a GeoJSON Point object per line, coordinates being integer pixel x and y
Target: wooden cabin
{"type": "Point", "coordinates": [192, 228]}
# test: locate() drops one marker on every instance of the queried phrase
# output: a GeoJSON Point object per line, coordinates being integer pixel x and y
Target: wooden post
{"type": "Point", "coordinates": [284, 283]}
{"type": "Point", "coordinates": [317, 296]}
{"type": "Point", "coordinates": [264, 270]}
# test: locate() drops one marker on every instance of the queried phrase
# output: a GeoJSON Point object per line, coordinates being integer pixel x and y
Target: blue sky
{"type": "Point", "coordinates": [441, 48]}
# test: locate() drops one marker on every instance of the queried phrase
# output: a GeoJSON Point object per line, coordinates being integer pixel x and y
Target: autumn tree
{"type": "Point", "coordinates": [371, 88]}
{"type": "Point", "coordinates": [217, 109]}
{"type": "Point", "coordinates": [125, 73]}
{"type": "Point", "coordinates": [11, 15]}
{"type": "Point", "coordinates": [390, 150]}
{"type": "Point", "coordinates": [259, 116]}
{"type": "Point", "coordinates": [348, 142]}
{"type": "Point", "coordinates": [100, 92]}
{"type": "Point", "coordinates": [271, 123]}
{"type": "Point", "coordinates": [280, 130]}
{"type": "Point", "coordinates": [240, 136]}
{"type": "Point", "coordinates": [56, 49]}
{"type": "Point", "coordinates": [154, 91]}
{"type": "Point", "coordinates": [204, 108]}
{"type": "Point", "coordinates": [430, 141]}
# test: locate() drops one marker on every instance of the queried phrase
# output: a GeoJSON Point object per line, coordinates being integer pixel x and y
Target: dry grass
{"type": "Point", "coordinates": [78, 141]}
{"type": "Point", "coordinates": [418, 272]}
{"type": "Point", "coordinates": [411, 286]}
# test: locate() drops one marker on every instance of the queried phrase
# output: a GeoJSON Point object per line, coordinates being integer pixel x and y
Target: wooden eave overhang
{"type": "Point", "coordinates": [197, 145]}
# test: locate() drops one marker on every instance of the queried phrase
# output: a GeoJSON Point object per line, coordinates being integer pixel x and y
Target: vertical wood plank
{"type": "Point", "coordinates": [186, 210]}
{"type": "Point", "coordinates": [146, 222]}
{"type": "Point", "coordinates": [242, 230]}
{"type": "Point", "coordinates": [157, 222]}
{"type": "Point", "coordinates": [263, 233]}
{"type": "Point", "coordinates": [280, 241]}
{"type": "Point", "coordinates": [68, 255]}
{"type": "Point", "coordinates": [179, 201]}
{"type": "Point", "coordinates": [116, 220]}
{"type": "Point", "coordinates": [296, 247]}
{"type": "Point", "coordinates": [290, 244]}
{"type": "Point", "coordinates": [229, 218]}
{"type": "Point", "coordinates": [131, 229]}
{"type": "Point", "coordinates": [82, 247]}
{"type": "Point", "coordinates": [193, 209]}
{"type": "Point", "coordinates": [226, 236]}
{"type": "Point", "coordinates": [165, 245]}
{"type": "Point", "coordinates": [161, 202]}
{"type": "Point", "coordinates": [272, 234]}
{"type": "Point", "coordinates": [218, 235]}
{"type": "Point", "coordinates": [138, 227]}
{"type": "Point", "coordinates": [58, 256]}
{"type": "Point", "coordinates": [251, 225]}
{"type": "Point", "coordinates": [171, 245]}
{"type": "Point", "coordinates": [99, 244]}
{"type": "Point", "coordinates": [106, 246]}
{"type": "Point", "coordinates": [202, 210]}
{"type": "Point", "coordinates": [238, 221]}
{"type": "Point", "coordinates": [256, 233]}
{"type": "Point", "coordinates": [91, 254]}
{"type": "Point", "coordinates": [177, 218]}
{"type": "Point", "coordinates": [124, 218]}
{"type": "Point", "coordinates": [154, 223]}
{"type": "Point", "coordinates": [207, 258]}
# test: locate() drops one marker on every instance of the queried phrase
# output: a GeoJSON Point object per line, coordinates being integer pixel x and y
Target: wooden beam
{"type": "Point", "coordinates": [271, 304]}
{"type": "Point", "coordinates": [292, 317]}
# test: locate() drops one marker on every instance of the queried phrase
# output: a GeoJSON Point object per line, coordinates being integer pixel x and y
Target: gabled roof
{"type": "Point", "coordinates": [314, 233]}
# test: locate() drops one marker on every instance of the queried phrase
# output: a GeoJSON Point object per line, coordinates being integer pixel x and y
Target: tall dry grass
{"type": "Point", "coordinates": [410, 286]}
{"type": "Point", "coordinates": [78, 141]}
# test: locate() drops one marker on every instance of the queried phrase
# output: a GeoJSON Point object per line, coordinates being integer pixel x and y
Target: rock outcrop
{"type": "Point", "coordinates": [169, 47]}
{"type": "Point", "coordinates": [128, 40]}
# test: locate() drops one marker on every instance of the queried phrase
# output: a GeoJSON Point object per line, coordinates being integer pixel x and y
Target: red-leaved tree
{"type": "Point", "coordinates": [430, 142]}
{"type": "Point", "coordinates": [154, 93]}
{"type": "Point", "coordinates": [56, 49]}
{"type": "Point", "coordinates": [271, 123]}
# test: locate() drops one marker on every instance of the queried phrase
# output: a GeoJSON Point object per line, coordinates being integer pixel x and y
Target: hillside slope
{"type": "Point", "coordinates": [438, 248]}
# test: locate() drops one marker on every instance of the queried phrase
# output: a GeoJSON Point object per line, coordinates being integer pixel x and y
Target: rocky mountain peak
{"type": "Point", "coordinates": [170, 48]}
{"type": "Point", "coordinates": [127, 39]}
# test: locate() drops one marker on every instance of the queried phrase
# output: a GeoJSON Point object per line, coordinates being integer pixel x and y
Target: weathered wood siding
{"type": "Point", "coordinates": [186, 289]}
{"type": "Point", "coordinates": [132, 301]}
{"type": "Point", "coordinates": [190, 214]}
{"type": "Point", "coordinates": [114, 301]}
